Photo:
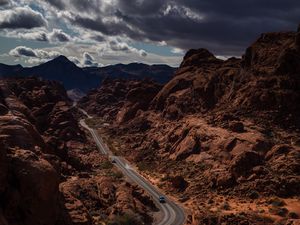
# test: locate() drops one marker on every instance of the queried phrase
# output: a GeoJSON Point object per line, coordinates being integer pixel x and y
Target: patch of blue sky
{"type": "Point", "coordinates": [8, 43]}
{"type": "Point", "coordinates": [36, 7]}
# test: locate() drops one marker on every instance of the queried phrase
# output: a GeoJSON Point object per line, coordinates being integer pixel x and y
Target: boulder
{"type": "Point", "coordinates": [244, 162]}
{"type": "Point", "coordinates": [198, 57]}
{"type": "Point", "coordinates": [225, 180]}
{"type": "Point", "coordinates": [278, 150]}
{"type": "Point", "coordinates": [188, 146]}
{"type": "Point", "coordinates": [33, 196]}
{"type": "Point", "coordinates": [236, 126]}
{"type": "Point", "coordinates": [17, 131]}
{"type": "Point", "coordinates": [179, 183]}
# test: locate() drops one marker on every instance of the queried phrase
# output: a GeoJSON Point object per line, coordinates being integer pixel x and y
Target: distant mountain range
{"type": "Point", "coordinates": [84, 79]}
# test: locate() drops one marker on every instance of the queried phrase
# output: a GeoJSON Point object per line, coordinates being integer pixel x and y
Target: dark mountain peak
{"type": "Point", "coordinates": [61, 59]}
{"type": "Point", "coordinates": [74, 77]}
{"type": "Point", "coordinates": [62, 64]}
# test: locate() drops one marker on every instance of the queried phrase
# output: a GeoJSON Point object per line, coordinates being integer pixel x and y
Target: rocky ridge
{"type": "Point", "coordinates": [50, 170]}
{"type": "Point", "coordinates": [223, 130]}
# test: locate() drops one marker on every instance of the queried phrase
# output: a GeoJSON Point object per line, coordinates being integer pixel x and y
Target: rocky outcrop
{"type": "Point", "coordinates": [120, 100]}
{"type": "Point", "coordinates": [187, 144]}
{"type": "Point", "coordinates": [264, 82]}
{"type": "Point", "coordinates": [244, 162]}
{"type": "Point", "coordinates": [31, 195]}
{"type": "Point", "coordinates": [225, 127]}
{"type": "Point", "coordinates": [47, 162]}
{"type": "Point", "coordinates": [29, 182]}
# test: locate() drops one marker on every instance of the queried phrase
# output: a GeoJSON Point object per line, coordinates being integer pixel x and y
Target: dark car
{"type": "Point", "coordinates": [113, 161]}
{"type": "Point", "coordinates": [162, 199]}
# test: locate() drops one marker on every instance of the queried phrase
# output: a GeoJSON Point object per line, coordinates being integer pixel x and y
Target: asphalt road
{"type": "Point", "coordinates": [172, 213]}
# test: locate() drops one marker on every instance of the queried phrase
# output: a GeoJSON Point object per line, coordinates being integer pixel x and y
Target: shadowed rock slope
{"type": "Point", "coordinates": [50, 171]}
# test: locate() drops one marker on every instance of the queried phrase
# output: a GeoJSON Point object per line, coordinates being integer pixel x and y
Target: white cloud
{"type": "Point", "coordinates": [88, 60]}
{"type": "Point", "coordinates": [35, 55]}
{"type": "Point", "coordinates": [35, 61]}
{"type": "Point", "coordinates": [177, 51]}
{"type": "Point", "coordinates": [21, 17]}
{"type": "Point", "coordinates": [55, 36]}
{"type": "Point", "coordinates": [38, 35]}
{"type": "Point", "coordinates": [77, 53]}
{"type": "Point", "coordinates": [117, 45]}
{"type": "Point", "coordinates": [22, 51]}
{"type": "Point", "coordinates": [74, 60]}
{"type": "Point", "coordinates": [182, 11]}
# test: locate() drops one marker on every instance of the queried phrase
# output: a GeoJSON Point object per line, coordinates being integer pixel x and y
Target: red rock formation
{"type": "Point", "coordinates": [44, 153]}
{"type": "Point", "coordinates": [29, 183]}
{"type": "Point", "coordinates": [227, 127]}
{"type": "Point", "coordinates": [120, 99]}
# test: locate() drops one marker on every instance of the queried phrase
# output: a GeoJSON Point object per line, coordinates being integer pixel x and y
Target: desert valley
{"type": "Point", "coordinates": [213, 141]}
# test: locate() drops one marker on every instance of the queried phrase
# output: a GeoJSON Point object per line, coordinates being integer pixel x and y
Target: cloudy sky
{"type": "Point", "coordinates": [102, 32]}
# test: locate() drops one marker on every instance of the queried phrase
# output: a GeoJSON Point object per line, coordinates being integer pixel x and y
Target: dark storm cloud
{"type": "Point", "coordinates": [98, 38]}
{"type": "Point", "coordinates": [59, 4]}
{"type": "Point", "coordinates": [21, 17]}
{"type": "Point", "coordinates": [110, 28]}
{"type": "Point", "coordinates": [137, 7]}
{"type": "Point", "coordinates": [91, 5]}
{"type": "Point", "coordinates": [4, 2]}
{"type": "Point", "coordinates": [245, 8]}
{"type": "Point", "coordinates": [225, 27]}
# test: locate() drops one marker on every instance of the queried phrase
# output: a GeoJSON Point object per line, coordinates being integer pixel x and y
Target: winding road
{"type": "Point", "coordinates": [172, 213]}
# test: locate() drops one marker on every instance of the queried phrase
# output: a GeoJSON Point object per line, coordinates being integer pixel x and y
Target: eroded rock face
{"type": "Point", "coordinates": [32, 195]}
{"type": "Point", "coordinates": [47, 163]}
{"type": "Point", "coordinates": [120, 100]}
{"type": "Point", "coordinates": [244, 162]}
{"type": "Point", "coordinates": [112, 197]}
{"type": "Point", "coordinates": [186, 146]}
{"type": "Point", "coordinates": [16, 131]}
{"type": "Point", "coordinates": [29, 183]}
{"type": "Point", "coordinates": [3, 170]}
{"type": "Point", "coordinates": [263, 84]}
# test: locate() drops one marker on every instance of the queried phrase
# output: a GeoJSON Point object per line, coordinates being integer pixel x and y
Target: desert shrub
{"type": "Point", "coordinates": [106, 165]}
{"type": "Point", "coordinates": [116, 174]}
{"type": "Point", "coordinates": [276, 202]}
{"type": "Point", "coordinates": [293, 215]}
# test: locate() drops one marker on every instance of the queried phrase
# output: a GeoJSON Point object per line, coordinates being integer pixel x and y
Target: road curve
{"type": "Point", "coordinates": [172, 213]}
